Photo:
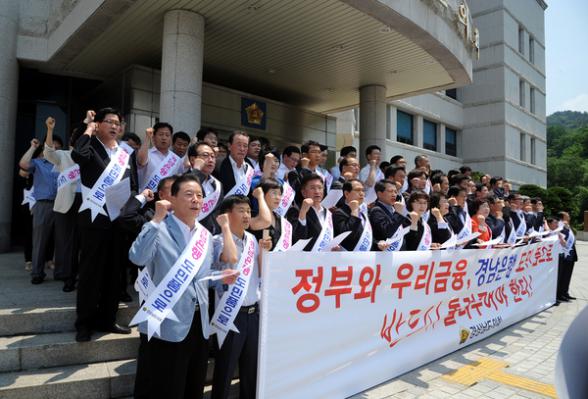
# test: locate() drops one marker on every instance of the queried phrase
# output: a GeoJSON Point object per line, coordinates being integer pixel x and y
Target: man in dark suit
{"type": "Point", "coordinates": [349, 217]}
{"type": "Point", "coordinates": [234, 168]}
{"type": "Point", "coordinates": [457, 214]}
{"type": "Point", "coordinates": [567, 259]}
{"type": "Point", "coordinates": [98, 288]}
{"type": "Point", "coordinates": [308, 165]}
{"type": "Point", "coordinates": [307, 221]}
{"type": "Point", "coordinates": [387, 215]}
{"type": "Point", "coordinates": [495, 219]}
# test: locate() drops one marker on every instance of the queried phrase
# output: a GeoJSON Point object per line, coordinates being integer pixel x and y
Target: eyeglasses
{"type": "Point", "coordinates": [112, 122]}
{"type": "Point", "coordinates": [207, 155]}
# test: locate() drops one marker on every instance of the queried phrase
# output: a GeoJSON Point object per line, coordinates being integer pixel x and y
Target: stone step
{"type": "Point", "coordinates": [27, 352]}
{"type": "Point", "coordinates": [113, 379]}
{"type": "Point", "coordinates": [89, 381]}
{"type": "Point", "coordinates": [46, 319]}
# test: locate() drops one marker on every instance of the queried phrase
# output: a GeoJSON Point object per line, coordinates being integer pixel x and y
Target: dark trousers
{"type": "Point", "coordinates": [97, 300]}
{"type": "Point", "coordinates": [238, 349]}
{"type": "Point", "coordinates": [67, 243]}
{"type": "Point", "coordinates": [26, 218]}
{"type": "Point", "coordinates": [43, 224]}
{"type": "Point", "coordinates": [568, 268]}
{"type": "Point", "coordinates": [173, 370]}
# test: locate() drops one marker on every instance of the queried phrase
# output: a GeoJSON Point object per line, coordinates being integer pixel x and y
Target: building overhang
{"type": "Point", "coordinates": [313, 54]}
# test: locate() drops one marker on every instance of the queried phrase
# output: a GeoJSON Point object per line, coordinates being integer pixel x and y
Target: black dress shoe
{"type": "Point", "coordinates": [69, 286]}
{"type": "Point", "coordinates": [115, 328]}
{"type": "Point", "coordinates": [37, 280]}
{"type": "Point", "coordinates": [569, 297]}
{"type": "Point", "coordinates": [563, 299]}
{"type": "Point", "coordinates": [83, 335]}
{"type": "Point", "coordinates": [557, 302]}
{"type": "Point", "coordinates": [125, 297]}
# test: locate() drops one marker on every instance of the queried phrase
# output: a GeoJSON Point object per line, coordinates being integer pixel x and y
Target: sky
{"type": "Point", "coordinates": [566, 55]}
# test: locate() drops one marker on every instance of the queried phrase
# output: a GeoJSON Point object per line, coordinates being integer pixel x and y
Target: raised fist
{"type": "Point", "coordinates": [149, 133]}
{"type": "Point", "coordinates": [265, 244]}
{"type": "Point", "coordinates": [437, 213]}
{"type": "Point", "coordinates": [161, 209]}
{"type": "Point", "coordinates": [34, 143]}
{"type": "Point", "coordinates": [354, 205]}
{"type": "Point", "coordinates": [50, 123]}
{"type": "Point", "coordinates": [399, 207]}
{"type": "Point", "coordinates": [452, 201]}
{"type": "Point", "coordinates": [258, 193]}
{"type": "Point", "coordinates": [198, 163]}
{"type": "Point", "coordinates": [90, 114]}
{"type": "Point", "coordinates": [414, 217]}
{"type": "Point", "coordinates": [230, 276]}
{"type": "Point", "coordinates": [148, 194]}
{"type": "Point", "coordinates": [223, 220]}
{"type": "Point", "coordinates": [304, 162]}
{"type": "Point", "coordinates": [481, 219]}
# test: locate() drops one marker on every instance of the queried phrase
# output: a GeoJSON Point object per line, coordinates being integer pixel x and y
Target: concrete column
{"type": "Point", "coordinates": [8, 103]}
{"type": "Point", "coordinates": [441, 138]}
{"type": "Point", "coordinates": [418, 131]}
{"type": "Point", "coordinates": [372, 118]}
{"type": "Point", "coordinates": [181, 70]}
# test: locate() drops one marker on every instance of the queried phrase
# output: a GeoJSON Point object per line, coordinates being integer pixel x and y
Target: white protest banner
{"type": "Point", "coordinates": [334, 324]}
{"type": "Point", "coordinates": [28, 197]}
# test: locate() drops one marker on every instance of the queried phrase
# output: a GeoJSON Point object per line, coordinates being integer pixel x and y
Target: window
{"type": "Point", "coordinates": [523, 148]}
{"type": "Point", "coordinates": [533, 150]}
{"type": "Point", "coordinates": [531, 50]}
{"type": "Point", "coordinates": [451, 142]}
{"type": "Point", "coordinates": [404, 127]}
{"type": "Point", "coordinates": [532, 100]}
{"type": "Point", "coordinates": [429, 135]}
{"type": "Point", "coordinates": [452, 93]}
{"type": "Point", "coordinates": [521, 92]}
{"type": "Point", "coordinates": [521, 40]}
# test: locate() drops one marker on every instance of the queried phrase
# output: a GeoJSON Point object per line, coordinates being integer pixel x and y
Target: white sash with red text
{"type": "Point", "coordinates": [285, 241]}
{"type": "Point", "coordinates": [287, 198]}
{"type": "Point", "coordinates": [68, 176]}
{"type": "Point", "coordinates": [426, 239]}
{"type": "Point", "coordinates": [230, 303]}
{"type": "Point", "coordinates": [365, 241]}
{"type": "Point", "coordinates": [211, 200]}
{"type": "Point", "coordinates": [95, 198]}
{"type": "Point", "coordinates": [166, 168]}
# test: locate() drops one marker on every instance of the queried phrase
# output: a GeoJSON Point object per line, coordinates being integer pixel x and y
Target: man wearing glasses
{"type": "Point", "coordinates": [203, 161]}
{"type": "Point", "coordinates": [97, 151]}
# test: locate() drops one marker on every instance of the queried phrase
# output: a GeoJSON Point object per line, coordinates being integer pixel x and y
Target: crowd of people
{"type": "Point", "coordinates": [217, 206]}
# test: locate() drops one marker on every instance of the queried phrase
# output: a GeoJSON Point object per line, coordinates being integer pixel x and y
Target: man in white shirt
{"type": "Point", "coordinates": [290, 158]}
{"type": "Point", "coordinates": [253, 151]}
{"type": "Point", "coordinates": [151, 160]}
{"type": "Point", "coordinates": [371, 172]}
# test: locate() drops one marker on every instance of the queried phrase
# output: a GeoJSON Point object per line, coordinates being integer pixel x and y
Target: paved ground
{"type": "Point", "coordinates": [529, 348]}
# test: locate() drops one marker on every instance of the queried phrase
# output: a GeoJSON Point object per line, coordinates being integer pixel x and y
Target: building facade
{"type": "Point", "coordinates": [495, 125]}
{"type": "Point", "coordinates": [196, 63]}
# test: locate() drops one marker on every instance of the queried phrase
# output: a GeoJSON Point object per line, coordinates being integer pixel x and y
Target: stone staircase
{"type": "Point", "coordinates": [39, 357]}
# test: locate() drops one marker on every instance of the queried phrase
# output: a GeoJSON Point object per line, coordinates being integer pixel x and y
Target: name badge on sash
{"type": "Point", "coordinates": [232, 300]}
{"type": "Point", "coordinates": [144, 285]}
{"type": "Point", "coordinates": [467, 227]}
{"type": "Point", "coordinates": [166, 168]}
{"type": "Point", "coordinates": [68, 176]}
{"type": "Point", "coordinates": [286, 201]}
{"type": "Point", "coordinates": [28, 197]}
{"type": "Point", "coordinates": [326, 234]}
{"type": "Point", "coordinates": [396, 240]}
{"type": "Point", "coordinates": [285, 241]}
{"type": "Point", "coordinates": [365, 241]}
{"type": "Point", "coordinates": [512, 236]}
{"type": "Point", "coordinates": [426, 239]}
{"type": "Point", "coordinates": [95, 198]}
{"type": "Point", "coordinates": [160, 302]}
{"type": "Point", "coordinates": [242, 186]}
{"type": "Point", "coordinates": [522, 229]}
{"type": "Point", "coordinates": [211, 200]}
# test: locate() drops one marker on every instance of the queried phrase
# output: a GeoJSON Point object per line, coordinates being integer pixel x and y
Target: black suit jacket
{"type": "Point", "coordinates": [496, 225]}
{"type": "Point", "coordinates": [438, 235]}
{"type": "Point", "coordinates": [385, 223]}
{"type": "Point", "coordinates": [413, 237]}
{"type": "Point", "coordinates": [133, 216]}
{"type": "Point", "coordinates": [225, 175]}
{"type": "Point", "coordinates": [344, 221]}
{"type": "Point", "coordinates": [454, 218]}
{"type": "Point", "coordinates": [311, 230]}
{"type": "Point", "coordinates": [92, 158]}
